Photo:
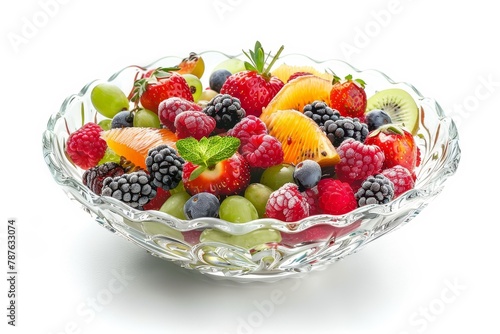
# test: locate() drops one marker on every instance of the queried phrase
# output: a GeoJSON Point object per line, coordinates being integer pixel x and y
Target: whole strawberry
{"type": "Point", "coordinates": [162, 84]}
{"type": "Point", "coordinates": [349, 97]}
{"type": "Point", "coordinates": [398, 145]}
{"type": "Point", "coordinates": [255, 87]}
{"type": "Point", "coordinates": [213, 165]}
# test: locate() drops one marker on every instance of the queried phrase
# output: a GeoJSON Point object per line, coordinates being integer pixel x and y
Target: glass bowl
{"type": "Point", "coordinates": [309, 244]}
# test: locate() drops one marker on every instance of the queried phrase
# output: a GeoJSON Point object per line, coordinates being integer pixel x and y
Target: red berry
{"type": "Point", "coordinates": [312, 196]}
{"type": "Point", "coordinates": [336, 197]}
{"type": "Point", "coordinates": [160, 86]}
{"type": "Point", "coordinates": [262, 151]}
{"type": "Point", "coordinates": [247, 127]}
{"type": "Point", "coordinates": [227, 177]}
{"type": "Point", "coordinates": [398, 145]}
{"type": "Point", "coordinates": [358, 161]}
{"type": "Point", "coordinates": [168, 109]}
{"type": "Point", "coordinates": [252, 89]}
{"type": "Point", "coordinates": [287, 204]}
{"type": "Point", "coordinates": [349, 97]}
{"type": "Point", "coordinates": [85, 147]}
{"type": "Point", "coordinates": [194, 124]}
{"type": "Point", "coordinates": [401, 178]}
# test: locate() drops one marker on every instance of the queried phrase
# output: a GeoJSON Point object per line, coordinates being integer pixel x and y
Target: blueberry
{"type": "Point", "coordinates": [217, 79]}
{"type": "Point", "coordinates": [307, 174]}
{"type": "Point", "coordinates": [376, 118]}
{"type": "Point", "coordinates": [124, 119]}
{"type": "Point", "coordinates": [202, 205]}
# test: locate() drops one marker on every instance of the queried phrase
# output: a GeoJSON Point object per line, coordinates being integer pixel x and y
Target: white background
{"type": "Point", "coordinates": [398, 284]}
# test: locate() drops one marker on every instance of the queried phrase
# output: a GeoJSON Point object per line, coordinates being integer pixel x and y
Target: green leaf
{"type": "Point", "coordinates": [188, 149]}
{"type": "Point", "coordinates": [207, 152]}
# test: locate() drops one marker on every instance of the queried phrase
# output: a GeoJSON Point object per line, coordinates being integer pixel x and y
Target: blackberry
{"type": "Point", "coordinates": [375, 189]}
{"type": "Point", "coordinates": [94, 177]}
{"type": "Point", "coordinates": [320, 112]}
{"type": "Point", "coordinates": [164, 166]}
{"type": "Point", "coordinates": [133, 189]}
{"type": "Point", "coordinates": [226, 110]}
{"type": "Point", "coordinates": [343, 128]}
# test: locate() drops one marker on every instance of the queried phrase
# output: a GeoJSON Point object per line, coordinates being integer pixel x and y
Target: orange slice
{"type": "Point", "coordinates": [134, 143]}
{"type": "Point", "coordinates": [284, 71]}
{"type": "Point", "coordinates": [297, 93]}
{"type": "Point", "coordinates": [301, 138]}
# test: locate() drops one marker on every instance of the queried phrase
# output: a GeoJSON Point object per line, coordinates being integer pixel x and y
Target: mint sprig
{"type": "Point", "coordinates": [207, 152]}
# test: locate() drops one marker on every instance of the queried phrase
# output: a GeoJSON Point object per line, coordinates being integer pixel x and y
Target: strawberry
{"type": "Point", "coordinates": [398, 145]}
{"type": "Point", "coordinates": [213, 165]}
{"type": "Point", "coordinates": [160, 85]}
{"type": "Point", "coordinates": [348, 97]}
{"type": "Point", "coordinates": [255, 87]}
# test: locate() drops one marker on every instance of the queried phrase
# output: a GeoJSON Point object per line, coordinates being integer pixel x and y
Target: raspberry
{"type": "Point", "coordinates": [376, 189]}
{"type": "Point", "coordinates": [95, 176]}
{"type": "Point", "coordinates": [400, 177]}
{"type": "Point", "coordinates": [287, 204]}
{"type": "Point", "coordinates": [358, 161]}
{"type": "Point", "coordinates": [168, 109]}
{"type": "Point", "coordinates": [165, 167]}
{"type": "Point", "coordinates": [262, 151]}
{"type": "Point", "coordinates": [85, 147]}
{"type": "Point", "coordinates": [311, 195]}
{"type": "Point", "coordinates": [336, 197]}
{"type": "Point", "coordinates": [247, 127]}
{"type": "Point", "coordinates": [194, 124]}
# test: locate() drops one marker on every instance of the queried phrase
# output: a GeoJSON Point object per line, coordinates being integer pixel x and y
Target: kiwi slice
{"type": "Point", "coordinates": [400, 106]}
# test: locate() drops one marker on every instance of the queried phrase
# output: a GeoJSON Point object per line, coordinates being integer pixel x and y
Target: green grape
{"type": "Point", "coordinates": [258, 194]}
{"type": "Point", "coordinates": [276, 176]}
{"type": "Point", "coordinates": [208, 94]}
{"type": "Point", "coordinates": [108, 99]}
{"type": "Point", "coordinates": [233, 65]}
{"type": "Point", "coordinates": [195, 85]}
{"type": "Point", "coordinates": [145, 118]}
{"type": "Point", "coordinates": [105, 124]}
{"type": "Point", "coordinates": [237, 209]}
{"type": "Point", "coordinates": [249, 240]}
{"type": "Point", "coordinates": [154, 228]}
{"type": "Point", "coordinates": [180, 188]}
{"type": "Point", "coordinates": [174, 205]}
{"type": "Point", "coordinates": [109, 156]}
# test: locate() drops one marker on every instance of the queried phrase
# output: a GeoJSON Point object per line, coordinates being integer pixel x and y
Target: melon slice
{"type": "Point", "coordinates": [301, 138]}
{"type": "Point", "coordinates": [298, 93]}
{"type": "Point", "coordinates": [134, 143]}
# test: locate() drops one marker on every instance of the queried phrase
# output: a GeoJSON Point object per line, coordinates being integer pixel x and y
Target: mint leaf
{"type": "Point", "coordinates": [207, 152]}
{"type": "Point", "coordinates": [221, 148]}
{"type": "Point", "coordinates": [188, 149]}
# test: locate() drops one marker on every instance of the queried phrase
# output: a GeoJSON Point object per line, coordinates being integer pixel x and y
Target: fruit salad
{"type": "Point", "coordinates": [248, 139]}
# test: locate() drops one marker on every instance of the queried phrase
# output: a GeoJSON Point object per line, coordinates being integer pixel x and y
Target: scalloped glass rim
{"type": "Point", "coordinates": [437, 138]}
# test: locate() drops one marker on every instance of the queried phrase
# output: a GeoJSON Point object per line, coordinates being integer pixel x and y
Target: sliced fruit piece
{"type": "Point", "coordinates": [301, 138]}
{"type": "Point", "coordinates": [284, 72]}
{"type": "Point", "coordinates": [134, 143]}
{"type": "Point", "coordinates": [193, 64]}
{"type": "Point", "coordinates": [399, 105]}
{"type": "Point", "coordinates": [297, 93]}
